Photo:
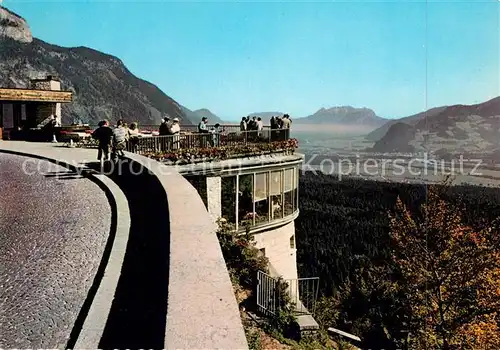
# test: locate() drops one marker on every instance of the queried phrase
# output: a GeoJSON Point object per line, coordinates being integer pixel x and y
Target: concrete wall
{"type": "Point", "coordinates": [276, 243]}
{"type": "Point", "coordinates": [202, 309]}
{"type": "Point", "coordinates": [214, 197]}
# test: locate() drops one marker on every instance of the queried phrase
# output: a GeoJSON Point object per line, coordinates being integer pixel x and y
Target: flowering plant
{"type": "Point", "coordinates": [189, 155]}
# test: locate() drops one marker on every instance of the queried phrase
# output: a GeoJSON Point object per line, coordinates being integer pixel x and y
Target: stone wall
{"type": "Point", "coordinates": [54, 85]}
{"type": "Point", "coordinates": [49, 84]}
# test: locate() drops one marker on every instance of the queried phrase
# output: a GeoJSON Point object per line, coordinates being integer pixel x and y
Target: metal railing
{"type": "Point", "coordinates": [194, 128]}
{"type": "Point", "coordinates": [204, 140]}
{"type": "Point", "coordinates": [303, 293]}
{"type": "Point", "coordinates": [267, 294]}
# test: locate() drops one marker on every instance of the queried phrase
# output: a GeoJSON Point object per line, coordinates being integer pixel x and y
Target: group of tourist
{"type": "Point", "coordinates": [169, 127]}
{"type": "Point", "coordinates": [112, 142]}
{"type": "Point", "coordinates": [256, 124]}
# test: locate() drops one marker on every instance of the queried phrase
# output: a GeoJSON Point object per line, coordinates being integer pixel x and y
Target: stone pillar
{"type": "Point", "coordinates": [49, 83]}
{"type": "Point", "coordinates": [56, 86]}
{"type": "Point", "coordinates": [214, 188]}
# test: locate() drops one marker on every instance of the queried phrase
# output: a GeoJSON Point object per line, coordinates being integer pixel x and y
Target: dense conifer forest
{"type": "Point", "coordinates": [344, 226]}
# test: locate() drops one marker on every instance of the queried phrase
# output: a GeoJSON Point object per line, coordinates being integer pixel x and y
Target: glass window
{"type": "Point", "coordinates": [288, 185]}
{"type": "Point", "coordinates": [276, 195]}
{"type": "Point", "coordinates": [292, 242]}
{"type": "Point", "coordinates": [228, 198]}
{"type": "Point", "coordinates": [245, 203]}
{"type": "Point", "coordinates": [261, 198]}
{"type": "Point", "coordinates": [296, 190]}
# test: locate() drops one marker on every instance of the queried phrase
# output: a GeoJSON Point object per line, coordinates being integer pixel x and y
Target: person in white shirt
{"type": "Point", "coordinates": [260, 124]}
{"type": "Point", "coordinates": [176, 130]}
{"type": "Point", "coordinates": [133, 137]}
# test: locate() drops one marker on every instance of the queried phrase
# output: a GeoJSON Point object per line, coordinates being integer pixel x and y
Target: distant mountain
{"type": "Point", "coordinates": [212, 118]}
{"type": "Point", "coordinates": [455, 129]}
{"type": "Point", "coordinates": [266, 115]}
{"type": "Point", "coordinates": [398, 136]}
{"type": "Point", "coordinates": [377, 134]}
{"type": "Point", "coordinates": [346, 115]}
{"type": "Point", "coordinates": [103, 87]}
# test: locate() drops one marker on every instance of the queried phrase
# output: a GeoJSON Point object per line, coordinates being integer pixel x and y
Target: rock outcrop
{"type": "Point", "coordinates": [102, 86]}
{"type": "Point", "coordinates": [14, 27]}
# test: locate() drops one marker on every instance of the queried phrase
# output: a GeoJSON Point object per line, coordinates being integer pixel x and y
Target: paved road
{"type": "Point", "coordinates": [53, 230]}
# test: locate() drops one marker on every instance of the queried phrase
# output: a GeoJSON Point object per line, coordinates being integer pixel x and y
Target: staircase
{"type": "Point", "coordinates": [44, 122]}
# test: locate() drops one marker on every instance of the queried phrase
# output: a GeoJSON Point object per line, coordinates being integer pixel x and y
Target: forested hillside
{"type": "Point", "coordinates": [343, 233]}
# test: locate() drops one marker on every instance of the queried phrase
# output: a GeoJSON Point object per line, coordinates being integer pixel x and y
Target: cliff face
{"type": "Point", "coordinates": [102, 86]}
{"type": "Point", "coordinates": [14, 27]}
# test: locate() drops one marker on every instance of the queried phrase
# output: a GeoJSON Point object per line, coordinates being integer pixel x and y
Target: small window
{"type": "Point", "coordinates": [292, 242]}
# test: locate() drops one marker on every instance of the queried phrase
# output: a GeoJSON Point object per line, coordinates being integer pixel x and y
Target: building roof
{"type": "Point", "coordinates": [29, 95]}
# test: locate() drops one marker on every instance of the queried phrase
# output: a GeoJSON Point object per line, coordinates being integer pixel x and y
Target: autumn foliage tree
{"type": "Point", "coordinates": [450, 274]}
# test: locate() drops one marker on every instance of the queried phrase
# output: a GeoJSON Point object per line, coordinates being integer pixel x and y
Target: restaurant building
{"type": "Point", "coordinates": [31, 108]}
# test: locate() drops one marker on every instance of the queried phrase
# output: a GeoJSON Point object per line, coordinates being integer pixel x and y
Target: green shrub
{"type": "Point", "coordinates": [243, 259]}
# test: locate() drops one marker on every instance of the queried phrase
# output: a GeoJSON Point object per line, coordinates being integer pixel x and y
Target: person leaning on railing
{"type": "Point", "coordinates": [203, 129]}
{"type": "Point", "coordinates": [286, 123]}
{"type": "Point", "coordinates": [175, 131]}
{"type": "Point", "coordinates": [165, 126]}
{"type": "Point", "coordinates": [120, 137]}
{"type": "Point", "coordinates": [202, 126]}
{"type": "Point", "coordinates": [260, 126]}
{"type": "Point", "coordinates": [243, 124]}
{"type": "Point", "coordinates": [133, 137]}
{"type": "Point", "coordinates": [216, 130]}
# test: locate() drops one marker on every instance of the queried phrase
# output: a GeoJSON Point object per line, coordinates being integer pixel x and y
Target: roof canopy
{"type": "Point", "coordinates": [29, 95]}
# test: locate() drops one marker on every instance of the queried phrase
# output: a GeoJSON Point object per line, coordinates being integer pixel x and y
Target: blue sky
{"type": "Point", "coordinates": [396, 57]}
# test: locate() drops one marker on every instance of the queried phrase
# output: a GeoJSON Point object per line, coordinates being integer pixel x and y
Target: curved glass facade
{"type": "Point", "coordinates": [259, 198]}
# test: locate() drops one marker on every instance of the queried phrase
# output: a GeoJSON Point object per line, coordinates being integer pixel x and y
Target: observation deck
{"type": "Point", "coordinates": [165, 197]}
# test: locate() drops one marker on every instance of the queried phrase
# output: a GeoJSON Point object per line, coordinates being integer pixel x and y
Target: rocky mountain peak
{"type": "Point", "coordinates": [14, 27]}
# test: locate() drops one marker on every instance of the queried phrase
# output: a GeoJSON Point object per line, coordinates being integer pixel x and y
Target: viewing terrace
{"type": "Point", "coordinates": [175, 291]}
{"type": "Point", "coordinates": [191, 146]}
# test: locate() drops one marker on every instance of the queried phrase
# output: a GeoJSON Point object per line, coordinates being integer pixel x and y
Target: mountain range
{"type": "Point", "coordinates": [345, 115]}
{"type": "Point", "coordinates": [378, 133]}
{"type": "Point", "coordinates": [454, 129]}
{"type": "Point", "coordinates": [103, 88]}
